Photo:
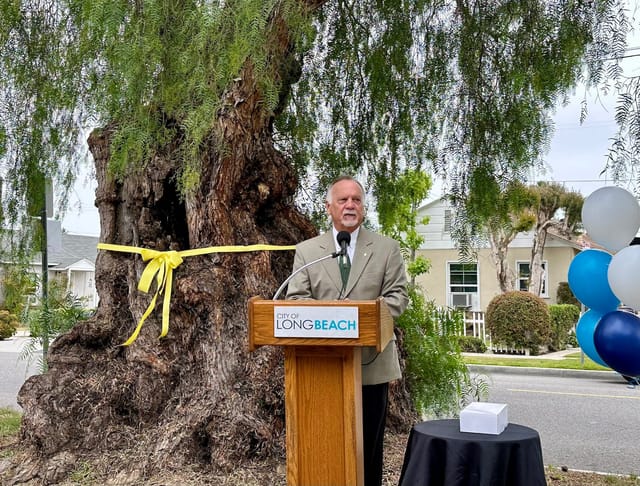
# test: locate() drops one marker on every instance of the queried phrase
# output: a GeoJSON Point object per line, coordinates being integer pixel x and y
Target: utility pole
{"type": "Point", "coordinates": [42, 204]}
{"type": "Point", "coordinates": [45, 285]}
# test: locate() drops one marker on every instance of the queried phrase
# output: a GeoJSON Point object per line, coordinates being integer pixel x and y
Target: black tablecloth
{"type": "Point", "coordinates": [438, 454]}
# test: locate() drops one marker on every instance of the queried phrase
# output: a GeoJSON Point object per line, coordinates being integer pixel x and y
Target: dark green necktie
{"type": "Point", "coordinates": [345, 266]}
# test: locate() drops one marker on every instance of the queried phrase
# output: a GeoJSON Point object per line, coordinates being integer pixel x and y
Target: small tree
{"type": "Point", "coordinates": [519, 319]}
{"type": "Point", "coordinates": [397, 205]}
{"type": "Point", "coordinates": [435, 372]}
{"type": "Point", "coordinates": [512, 215]}
{"type": "Point", "coordinates": [552, 197]}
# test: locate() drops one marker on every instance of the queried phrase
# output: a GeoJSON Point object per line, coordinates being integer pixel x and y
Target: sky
{"type": "Point", "coordinates": [578, 152]}
{"type": "Point", "coordinates": [82, 216]}
{"type": "Point", "coordinates": [576, 158]}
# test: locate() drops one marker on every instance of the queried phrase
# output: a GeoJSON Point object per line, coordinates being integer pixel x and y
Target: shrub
{"type": "Point", "coordinates": [520, 320]}
{"type": "Point", "coordinates": [8, 324]}
{"type": "Point", "coordinates": [563, 318]}
{"type": "Point", "coordinates": [471, 344]}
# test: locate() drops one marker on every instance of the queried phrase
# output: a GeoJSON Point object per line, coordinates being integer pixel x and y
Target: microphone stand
{"type": "Point", "coordinates": [306, 265]}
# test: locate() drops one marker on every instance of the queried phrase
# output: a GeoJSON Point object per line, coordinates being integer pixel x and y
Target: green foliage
{"type": "Point", "coordinates": [418, 266]}
{"type": "Point", "coordinates": [552, 197]}
{"type": "Point", "coordinates": [154, 71]}
{"type": "Point", "coordinates": [516, 60]}
{"type": "Point", "coordinates": [398, 200]}
{"type": "Point", "coordinates": [572, 340]}
{"type": "Point", "coordinates": [435, 372]}
{"type": "Point", "coordinates": [17, 283]}
{"type": "Point", "coordinates": [519, 319]}
{"type": "Point", "coordinates": [397, 208]}
{"type": "Point", "coordinates": [8, 324]}
{"type": "Point", "coordinates": [563, 319]}
{"type": "Point", "coordinates": [464, 90]}
{"type": "Point", "coordinates": [475, 390]}
{"type": "Point", "coordinates": [471, 344]}
{"type": "Point", "coordinates": [564, 295]}
{"type": "Point", "coordinates": [62, 311]}
{"type": "Point", "coordinates": [501, 215]}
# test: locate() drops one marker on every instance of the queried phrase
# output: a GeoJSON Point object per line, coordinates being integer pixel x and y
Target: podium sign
{"type": "Point", "coordinates": [323, 381]}
{"type": "Point", "coordinates": [315, 322]}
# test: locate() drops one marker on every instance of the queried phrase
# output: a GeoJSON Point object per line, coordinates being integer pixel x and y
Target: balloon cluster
{"type": "Point", "coordinates": [601, 280]}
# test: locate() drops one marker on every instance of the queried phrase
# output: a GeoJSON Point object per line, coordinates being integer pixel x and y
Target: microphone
{"type": "Point", "coordinates": [284, 284]}
{"type": "Point", "coordinates": [344, 238]}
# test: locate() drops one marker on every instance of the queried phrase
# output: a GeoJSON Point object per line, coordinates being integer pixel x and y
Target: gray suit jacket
{"type": "Point", "coordinates": [377, 271]}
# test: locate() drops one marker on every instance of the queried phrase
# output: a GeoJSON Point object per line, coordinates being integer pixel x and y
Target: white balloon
{"type": "Point", "coordinates": [611, 216]}
{"type": "Point", "coordinates": [624, 276]}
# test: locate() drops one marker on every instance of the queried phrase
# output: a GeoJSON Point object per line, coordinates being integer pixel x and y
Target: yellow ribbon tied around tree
{"type": "Point", "coordinates": [161, 265]}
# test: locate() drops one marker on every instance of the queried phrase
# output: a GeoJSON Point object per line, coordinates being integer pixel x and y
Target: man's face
{"type": "Point", "coordinates": [346, 206]}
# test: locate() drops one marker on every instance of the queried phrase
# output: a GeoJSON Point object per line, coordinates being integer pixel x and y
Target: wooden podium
{"type": "Point", "coordinates": [323, 389]}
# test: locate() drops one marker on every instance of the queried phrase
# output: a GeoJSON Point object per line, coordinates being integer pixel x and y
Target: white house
{"type": "Point", "coordinates": [75, 260]}
{"type": "Point", "coordinates": [471, 285]}
{"type": "Point", "coordinates": [70, 258]}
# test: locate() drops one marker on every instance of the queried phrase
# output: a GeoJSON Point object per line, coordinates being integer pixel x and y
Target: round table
{"type": "Point", "coordinates": [438, 454]}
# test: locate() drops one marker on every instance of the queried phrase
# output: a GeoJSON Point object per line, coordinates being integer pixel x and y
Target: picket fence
{"type": "Point", "coordinates": [474, 326]}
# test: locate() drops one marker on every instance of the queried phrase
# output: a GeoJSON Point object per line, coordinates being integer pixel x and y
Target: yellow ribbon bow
{"type": "Point", "coordinates": [161, 265]}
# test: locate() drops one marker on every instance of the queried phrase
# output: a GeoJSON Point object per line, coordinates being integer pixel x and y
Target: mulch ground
{"type": "Point", "coordinates": [274, 474]}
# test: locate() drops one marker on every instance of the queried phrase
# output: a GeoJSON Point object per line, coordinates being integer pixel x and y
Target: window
{"type": "Point", "coordinates": [463, 285]}
{"type": "Point", "coordinates": [463, 277]}
{"type": "Point", "coordinates": [524, 272]}
{"type": "Point", "coordinates": [447, 220]}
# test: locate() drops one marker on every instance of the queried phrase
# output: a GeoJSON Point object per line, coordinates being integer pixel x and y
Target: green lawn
{"type": "Point", "coordinates": [571, 362]}
{"type": "Point", "coordinates": [9, 422]}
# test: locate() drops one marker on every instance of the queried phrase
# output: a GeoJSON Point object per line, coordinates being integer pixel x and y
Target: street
{"type": "Point", "coordinates": [590, 424]}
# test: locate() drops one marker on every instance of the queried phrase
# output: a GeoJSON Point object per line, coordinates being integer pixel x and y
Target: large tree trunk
{"type": "Point", "coordinates": [195, 397]}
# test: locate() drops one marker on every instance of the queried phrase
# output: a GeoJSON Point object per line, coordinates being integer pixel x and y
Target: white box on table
{"type": "Point", "coordinates": [484, 418]}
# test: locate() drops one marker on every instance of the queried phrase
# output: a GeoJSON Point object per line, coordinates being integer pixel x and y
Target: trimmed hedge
{"type": "Point", "coordinates": [519, 320]}
{"type": "Point", "coordinates": [471, 344]}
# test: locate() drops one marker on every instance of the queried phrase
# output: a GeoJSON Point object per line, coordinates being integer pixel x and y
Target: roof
{"type": "Point", "coordinates": [73, 249]}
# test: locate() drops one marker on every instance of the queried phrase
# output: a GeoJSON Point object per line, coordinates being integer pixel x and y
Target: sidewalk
{"type": "Point", "coordinates": [16, 343]}
{"type": "Point", "coordinates": [555, 355]}
{"type": "Point", "coordinates": [523, 370]}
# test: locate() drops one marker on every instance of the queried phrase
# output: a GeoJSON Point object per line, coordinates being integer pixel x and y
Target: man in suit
{"type": "Point", "coordinates": [376, 270]}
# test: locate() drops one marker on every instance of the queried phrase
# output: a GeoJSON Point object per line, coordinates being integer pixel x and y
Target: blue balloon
{"type": "Point", "coordinates": [589, 281]}
{"type": "Point", "coordinates": [584, 333]}
{"type": "Point", "coordinates": [617, 340]}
